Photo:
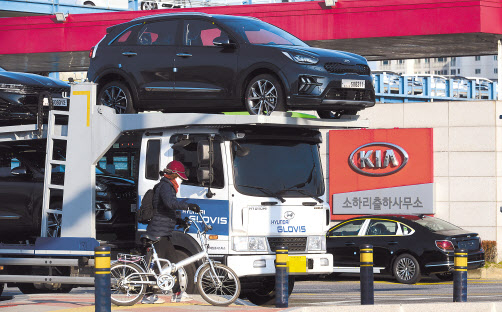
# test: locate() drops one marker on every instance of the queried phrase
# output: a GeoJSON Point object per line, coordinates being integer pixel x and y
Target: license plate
{"type": "Point", "coordinates": [60, 102]}
{"type": "Point", "coordinates": [353, 84]}
{"type": "Point", "coordinates": [297, 264]}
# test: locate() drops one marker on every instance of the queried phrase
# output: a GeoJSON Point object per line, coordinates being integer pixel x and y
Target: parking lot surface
{"type": "Point", "coordinates": [315, 295]}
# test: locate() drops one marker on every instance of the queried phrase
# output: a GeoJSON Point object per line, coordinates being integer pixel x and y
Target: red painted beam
{"type": "Point", "coordinates": [306, 20]}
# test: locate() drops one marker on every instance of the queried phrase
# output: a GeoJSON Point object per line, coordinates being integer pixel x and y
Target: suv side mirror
{"type": "Point", "coordinates": [223, 42]}
{"type": "Point", "coordinates": [19, 171]}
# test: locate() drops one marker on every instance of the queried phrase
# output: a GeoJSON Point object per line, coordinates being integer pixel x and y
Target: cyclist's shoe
{"type": "Point", "coordinates": [181, 297]}
{"type": "Point", "coordinates": [150, 299]}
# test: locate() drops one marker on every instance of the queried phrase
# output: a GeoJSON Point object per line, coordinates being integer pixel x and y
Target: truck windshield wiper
{"type": "Point", "coordinates": [320, 201]}
{"type": "Point", "coordinates": [266, 191]}
{"type": "Point", "coordinates": [296, 187]}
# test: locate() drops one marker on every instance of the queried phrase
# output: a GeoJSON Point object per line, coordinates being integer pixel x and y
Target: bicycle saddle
{"type": "Point", "coordinates": [149, 239]}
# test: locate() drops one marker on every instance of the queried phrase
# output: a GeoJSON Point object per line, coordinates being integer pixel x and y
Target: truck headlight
{"type": "Point", "coordinates": [249, 243]}
{"type": "Point", "coordinates": [316, 243]}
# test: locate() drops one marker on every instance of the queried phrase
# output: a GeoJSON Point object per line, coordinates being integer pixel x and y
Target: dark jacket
{"type": "Point", "coordinates": [165, 204]}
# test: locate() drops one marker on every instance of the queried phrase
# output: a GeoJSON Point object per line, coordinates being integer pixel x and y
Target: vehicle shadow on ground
{"type": "Point", "coordinates": [351, 277]}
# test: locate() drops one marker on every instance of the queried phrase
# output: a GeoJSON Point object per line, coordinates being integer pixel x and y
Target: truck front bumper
{"type": "Point", "coordinates": [298, 264]}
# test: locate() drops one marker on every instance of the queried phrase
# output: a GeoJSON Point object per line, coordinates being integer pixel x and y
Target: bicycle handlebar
{"type": "Point", "coordinates": [186, 222]}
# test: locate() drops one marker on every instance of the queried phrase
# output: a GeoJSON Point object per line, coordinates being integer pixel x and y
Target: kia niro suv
{"type": "Point", "coordinates": [195, 62]}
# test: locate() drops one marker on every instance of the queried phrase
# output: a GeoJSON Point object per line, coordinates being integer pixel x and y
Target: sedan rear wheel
{"type": "Point", "coordinates": [264, 95]}
{"type": "Point", "coordinates": [406, 269]}
{"type": "Point", "coordinates": [116, 95]}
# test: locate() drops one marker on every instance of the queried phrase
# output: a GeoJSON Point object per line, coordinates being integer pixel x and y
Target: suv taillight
{"type": "Point", "coordinates": [445, 245]}
{"type": "Point", "coordinates": [91, 52]}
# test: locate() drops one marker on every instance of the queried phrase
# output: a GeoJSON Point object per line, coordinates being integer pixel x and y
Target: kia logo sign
{"type": "Point", "coordinates": [378, 159]}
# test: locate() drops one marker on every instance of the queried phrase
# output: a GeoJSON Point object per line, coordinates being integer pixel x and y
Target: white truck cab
{"type": "Point", "coordinates": [260, 188]}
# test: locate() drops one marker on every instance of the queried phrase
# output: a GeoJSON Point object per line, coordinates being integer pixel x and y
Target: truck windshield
{"type": "Point", "coordinates": [278, 169]}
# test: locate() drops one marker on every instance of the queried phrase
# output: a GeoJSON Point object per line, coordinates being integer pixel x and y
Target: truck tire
{"type": "Point", "coordinates": [190, 270]}
{"type": "Point", "coordinates": [266, 295]}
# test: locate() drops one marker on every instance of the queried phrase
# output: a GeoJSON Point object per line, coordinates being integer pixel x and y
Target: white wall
{"type": "Point", "coordinates": [467, 158]}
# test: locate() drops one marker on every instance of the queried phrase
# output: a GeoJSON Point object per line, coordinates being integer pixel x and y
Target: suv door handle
{"type": "Point", "coordinates": [349, 243]}
{"type": "Point", "coordinates": [391, 243]}
{"type": "Point", "coordinates": [184, 54]}
{"type": "Point", "coordinates": [129, 53]}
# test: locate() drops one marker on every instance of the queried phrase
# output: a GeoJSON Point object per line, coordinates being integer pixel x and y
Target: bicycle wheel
{"type": "Point", "coordinates": [126, 290]}
{"type": "Point", "coordinates": [222, 294]}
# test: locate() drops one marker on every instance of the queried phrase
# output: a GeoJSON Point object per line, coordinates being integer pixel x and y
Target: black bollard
{"type": "Point", "coordinates": [102, 286]}
{"type": "Point", "coordinates": [281, 277]}
{"type": "Point", "coordinates": [460, 276]}
{"type": "Point", "coordinates": [366, 266]}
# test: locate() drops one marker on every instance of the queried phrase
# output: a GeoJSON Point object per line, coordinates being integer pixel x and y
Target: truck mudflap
{"type": "Point", "coordinates": [298, 264]}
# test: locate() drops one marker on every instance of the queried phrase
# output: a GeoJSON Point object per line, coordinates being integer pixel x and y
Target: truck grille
{"type": "Point", "coordinates": [292, 243]}
{"type": "Point", "coordinates": [350, 94]}
{"type": "Point", "coordinates": [339, 68]}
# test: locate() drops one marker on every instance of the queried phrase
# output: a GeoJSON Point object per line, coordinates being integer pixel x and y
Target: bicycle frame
{"type": "Point", "coordinates": [174, 267]}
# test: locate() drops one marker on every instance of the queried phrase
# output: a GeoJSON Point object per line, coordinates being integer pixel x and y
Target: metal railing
{"type": "Point", "coordinates": [391, 87]}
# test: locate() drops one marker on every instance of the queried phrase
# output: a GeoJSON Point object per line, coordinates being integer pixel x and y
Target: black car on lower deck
{"type": "Point", "coordinates": [20, 94]}
{"type": "Point", "coordinates": [21, 193]}
{"type": "Point", "coordinates": [196, 62]}
{"type": "Point", "coordinates": [406, 246]}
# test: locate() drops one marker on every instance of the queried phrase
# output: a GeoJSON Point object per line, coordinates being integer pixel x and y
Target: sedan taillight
{"type": "Point", "coordinates": [91, 52]}
{"type": "Point", "coordinates": [445, 245]}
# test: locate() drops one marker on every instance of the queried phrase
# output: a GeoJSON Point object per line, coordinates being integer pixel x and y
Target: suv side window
{"type": "Point", "coordinates": [188, 156]}
{"type": "Point", "coordinates": [127, 37]}
{"type": "Point", "coordinates": [201, 33]}
{"type": "Point", "coordinates": [152, 160]}
{"type": "Point", "coordinates": [159, 33]}
{"type": "Point", "coordinates": [351, 228]}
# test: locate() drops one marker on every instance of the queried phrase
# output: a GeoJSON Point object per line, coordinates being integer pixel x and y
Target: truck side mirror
{"type": "Point", "coordinates": [204, 156]}
{"type": "Point", "coordinates": [205, 175]}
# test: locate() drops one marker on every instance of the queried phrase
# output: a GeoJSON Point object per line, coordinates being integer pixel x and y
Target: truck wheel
{"type": "Point", "coordinates": [190, 270]}
{"type": "Point", "coordinates": [116, 95]}
{"type": "Point", "coordinates": [264, 95]}
{"type": "Point", "coordinates": [266, 295]}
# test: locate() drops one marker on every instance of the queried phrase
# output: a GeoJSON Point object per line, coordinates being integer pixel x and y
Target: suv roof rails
{"type": "Point", "coordinates": [171, 14]}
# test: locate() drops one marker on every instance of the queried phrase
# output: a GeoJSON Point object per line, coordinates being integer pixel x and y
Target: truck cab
{"type": "Point", "coordinates": [260, 188]}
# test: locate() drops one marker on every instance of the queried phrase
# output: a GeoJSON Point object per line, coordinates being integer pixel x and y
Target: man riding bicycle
{"type": "Point", "coordinates": [163, 222]}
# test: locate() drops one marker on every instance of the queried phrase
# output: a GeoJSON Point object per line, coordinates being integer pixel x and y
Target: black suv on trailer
{"type": "Point", "coordinates": [196, 62]}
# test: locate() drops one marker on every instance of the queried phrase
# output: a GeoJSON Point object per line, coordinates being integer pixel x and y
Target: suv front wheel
{"type": "Point", "coordinates": [264, 95]}
{"type": "Point", "coordinates": [116, 95]}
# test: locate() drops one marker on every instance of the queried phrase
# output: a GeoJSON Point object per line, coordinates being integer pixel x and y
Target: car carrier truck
{"type": "Point", "coordinates": [258, 180]}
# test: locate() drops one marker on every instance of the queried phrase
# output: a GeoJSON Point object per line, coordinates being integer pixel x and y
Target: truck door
{"type": "Point", "coordinates": [214, 205]}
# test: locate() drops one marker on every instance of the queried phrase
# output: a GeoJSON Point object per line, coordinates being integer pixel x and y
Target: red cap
{"type": "Point", "coordinates": [176, 167]}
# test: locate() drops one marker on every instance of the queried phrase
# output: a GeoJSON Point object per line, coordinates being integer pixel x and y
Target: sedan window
{"type": "Point", "coordinates": [382, 227]}
{"type": "Point", "coordinates": [347, 229]}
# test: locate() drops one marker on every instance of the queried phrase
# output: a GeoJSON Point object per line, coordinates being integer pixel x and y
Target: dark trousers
{"type": "Point", "coordinates": [165, 250]}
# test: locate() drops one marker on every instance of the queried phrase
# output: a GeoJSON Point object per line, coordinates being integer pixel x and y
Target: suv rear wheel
{"type": "Point", "coordinates": [116, 95]}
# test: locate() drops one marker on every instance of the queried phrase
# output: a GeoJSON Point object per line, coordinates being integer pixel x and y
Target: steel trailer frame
{"type": "Point", "coordinates": [90, 132]}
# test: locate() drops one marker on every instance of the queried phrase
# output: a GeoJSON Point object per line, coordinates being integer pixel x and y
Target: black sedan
{"type": "Point", "coordinates": [196, 62]}
{"type": "Point", "coordinates": [407, 246]}
{"type": "Point", "coordinates": [21, 93]}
